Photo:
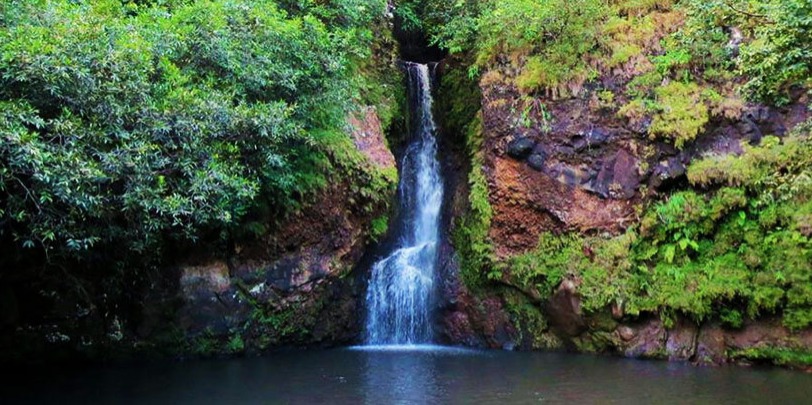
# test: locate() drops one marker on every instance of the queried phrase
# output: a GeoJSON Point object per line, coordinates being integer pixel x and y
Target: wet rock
{"type": "Point", "coordinates": [749, 130]}
{"type": "Point", "coordinates": [209, 300]}
{"type": "Point", "coordinates": [760, 333]}
{"type": "Point", "coordinates": [626, 333]}
{"type": "Point", "coordinates": [212, 277]}
{"type": "Point", "coordinates": [296, 271]}
{"type": "Point", "coordinates": [368, 136]}
{"type": "Point", "coordinates": [564, 309]}
{"type": "Point", "coordinates": [667, 171]}
{"type": "Point", "coordinates": [457, 328]}
{"type": "Point", "coordinates": [520, 148]}
{"type": "Point", "coordinates": [566, 151]}
{"type": "Point", "coordinates": [681, 341]}
{"type": "Point", "coordinates": [759, 114]}
{"type": "Point", "coordinates": [647, 340]}
{"type": "Point", "coordinates": [571, 176]}
{"type": "Point", "coordinates": [537, 159]}
{"type": "Point", "coordinates": [710, 346]}
{"type": "Point", "coordinates": [640, 126]}
{"type": "Point", "coordinates": [618, 177]}
{"type": "Point", "coordinates": [591, 139]}
{"type": "Point", "coordinates": [477, 323]}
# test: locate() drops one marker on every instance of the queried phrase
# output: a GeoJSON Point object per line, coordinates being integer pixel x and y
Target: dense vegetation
{"type": "Point", "coordinates": [129, 123]}
{"type": "Point", "coordinates": [128, 128]}
{"type": "Point", "coordinates": [735, 244]}
{"type": "Point", "coordinates": [136, 133]}
{"type": "Point", "coordinates": [741, 250]}
{"type": "Point", "coordinates": [687, 60]}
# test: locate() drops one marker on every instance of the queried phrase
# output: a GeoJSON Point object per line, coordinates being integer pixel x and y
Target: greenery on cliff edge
{"type": "Point", "coordinates": [135, 123]}
{"type": "Point", "coordinates": [135, 131]}
{"type": "Point", "coordinates": [735, 244]}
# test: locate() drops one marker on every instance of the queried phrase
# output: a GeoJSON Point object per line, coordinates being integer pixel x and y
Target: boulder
{"type": "Point", "coordinates": [626, 333]}
{"type": "Point", "coordinates": [667, 171]}
{"type": "Point", "coordinates": [520, 148]}
{"type": "Point", "coordinates": [590, 139]}
{"type": "Point", "coordinates": [618, 178]}
{"type": "Point", "coordinates": [646, 340]}
{"type": "Point", "coordinates": [536, 161]}
{"type": "Point", "coordinates": [681, 341]}
{"type": "Point", "coordinates": [564, 309]}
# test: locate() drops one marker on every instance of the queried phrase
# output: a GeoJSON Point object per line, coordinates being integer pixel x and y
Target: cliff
{"type": "Point", "coordinates": [625, 210]}
{"type": "Point", "coordinates": [191, 178]}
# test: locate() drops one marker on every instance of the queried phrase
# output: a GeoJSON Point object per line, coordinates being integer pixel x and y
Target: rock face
{"type": "Point", "coordinates": [564, 309]}
{"type": "Point", "coordinates": [292, 286]}
{"type": "Point", "coordinates": [369, 137]}
{"type": "Point", "coordinates": [587, 170]}
{"type": "Point", "coordinates": [574, 166]}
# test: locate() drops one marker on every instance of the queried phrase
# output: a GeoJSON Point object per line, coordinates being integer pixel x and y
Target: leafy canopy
{"type": "Point", "coordinates": [127, 122]}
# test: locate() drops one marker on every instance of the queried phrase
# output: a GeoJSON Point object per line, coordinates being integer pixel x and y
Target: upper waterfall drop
{"type": "Point", "coordinates": [401, 286]}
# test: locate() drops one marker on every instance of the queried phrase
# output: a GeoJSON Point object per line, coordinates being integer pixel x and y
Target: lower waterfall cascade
{"type": "Point", "coordinates": [400, 288]}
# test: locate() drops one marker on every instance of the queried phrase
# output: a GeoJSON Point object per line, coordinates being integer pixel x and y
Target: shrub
{"type": "Point", "coordinates": [130, 123]}
{"type": "Point", "coordinates": [681, 113]}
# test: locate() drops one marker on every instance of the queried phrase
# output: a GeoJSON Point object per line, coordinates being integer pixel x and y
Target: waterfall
{"type": "Point", "coordinates": [400, 289]}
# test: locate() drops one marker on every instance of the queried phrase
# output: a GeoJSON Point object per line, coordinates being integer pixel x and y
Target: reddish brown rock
{"type": "Point", "coordinates": [710, 346]}
{"type": "Point", "coordinates": [369, 137]}
{"type": "Point", "coordinates": [647, 340]}
{"type": "Point", "coordinates": [564, 309]}
{"type": "Point", "coordinates": [274, 289]}
{"type": "Point", "coordinates": [478, 321]}
{"type": "Point", "coordinates": [626, 333]}
{"type": "Point", "coordinates": [681, 343]}
{"type": "Point", "coordinates": [618, 177]}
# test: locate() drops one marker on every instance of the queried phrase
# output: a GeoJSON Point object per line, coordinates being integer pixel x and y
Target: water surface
{"type": "Point", "coordinates": [423, 375]}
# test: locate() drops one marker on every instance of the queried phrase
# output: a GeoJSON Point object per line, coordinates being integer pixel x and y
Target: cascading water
{"type": "Point", "coordinates": [399, 294]}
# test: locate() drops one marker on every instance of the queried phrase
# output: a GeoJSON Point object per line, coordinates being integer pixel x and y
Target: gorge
{"type": "Point", "coordinates": [410, 200]}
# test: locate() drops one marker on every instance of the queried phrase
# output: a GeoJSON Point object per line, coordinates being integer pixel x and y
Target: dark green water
{"type": "Point", "coordinates": [347, 376]}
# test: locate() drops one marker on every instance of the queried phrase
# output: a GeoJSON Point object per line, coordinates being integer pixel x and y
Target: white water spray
{"type": "Point", "coordinates": [399, 294]}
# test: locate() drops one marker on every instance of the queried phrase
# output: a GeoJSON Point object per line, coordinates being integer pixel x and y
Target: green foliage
{"type": "Point", "coordinates": [548, 46]}
{"type": "Point", "coordinates": [740, 251]}
{"type": "Point", "coordinates": [126, 123]}
{"type": "Point", "coordinates": [770, 47]}
{"type": "Point", "coordinates": [533, 327]}
{"type": "Point", "coordinates": [679, 82]}
{"type": "Point", "coordinates": [235, 344]}
{"type": "Point", "coordinates": [379, 227]}
{"type": "Point", "coordinates": [732, 318]}
{"type": "Point", "coordinates": [681, 114]}
{"type": "Point", "coordinates": [780, 57]}
{"type": "Point", "coordinates": [554, 35]}
{"type": "Point", "coordinates": [543, 268]}
{"type": "Point", "coordinates": [762, 43]}
{"type": "Point", "coordinates": [410, 13]}
{"type": "Point", "coordinates": [553, 43]}
{"type": "Point", "coordinates": [204, 344]}
{"type": "Point", "coordinates": [639, 7]}
{"type": "Point", "coordinates": [785, 356]}
{"type": "Point", "coordinates": [470, 235]}
{"type": "Point", "coordinates": [453, 24]}
{"type": "Point", "coordinates": [461, 117]}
